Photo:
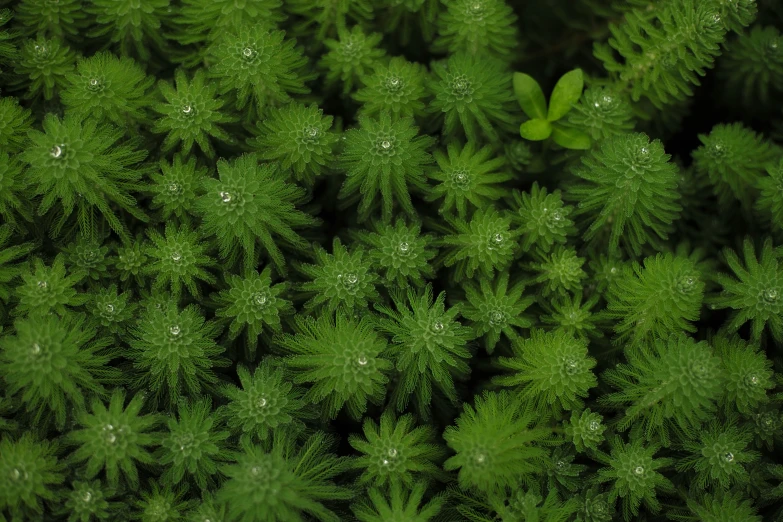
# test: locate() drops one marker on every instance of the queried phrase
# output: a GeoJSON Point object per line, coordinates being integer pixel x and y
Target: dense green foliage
{"type": "Point", "coordinates": [391, 260]}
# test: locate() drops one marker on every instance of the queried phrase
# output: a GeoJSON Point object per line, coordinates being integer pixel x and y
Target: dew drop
{"type": "Point", "coordinates": [385, 462]}
{"type": "Point", "coordinates": [557, 215]}
{"type": "Point", "coordinates": [187, 109]}
{"type": "Point", "coordinates": [596, 104]}
{"type": "Point", "coordinates": [351, 279]}
{"type": "Point", "coordinates": [313, 131]}
{"type": "Point", "coordinates": [173, 187]}
{"type": "Point", "coordinates": [753, 380]}
{"type": "Point", "coordinates": [36, 349]}
{"type": "Point", "coordinates": [392, 452]}
{"type": "Point", "coordinates": [175, 330]}
{"type": "Point", "coordinates": [394, 81]}
{"type": "Point", "coordinates": [495, 317]}
{"type": "Point", "coordinates": [362, 360]}
{"type": "Point", "coordinates": [613, 270]}
{"type": "Point", "coordinates": [639, 470]}
{"type": "Point", "coordinates": [403, 247]}
{"type": "Point", "coordinates": [176, 257]}
{"type": "Point", "coordinates": [644, 151]}
{"type": "Point", "coordinates": [606, 99]}
{"type": "Point", "coordinates": [560, 464]}
{"type": "Point", "coordinates": [56, 151]}
{"type": "Point", "coordinates": [261, 403]}
{"type": "Point", "coordinates": [15, 474]}
{"type": "Point", "coordinates": [497, 238]}
{"type": "Point", "coordinates": [255, 470]}
{"type": "Point", "coordinates": [110, 308]}
{"type": "Point", "coordinates": [594, 425]}
{"type": "Point", "coordinates": [385, 144]}
{"type": "Point", "coordinates": [480, 458]}
{"type": "Point", "coordinates": [111, 438]}
{"type": "Point", "coordinates": [86, 496]}
{"type": "Point", "coordinates": [260, 299]}
{"type": "Point", "coordinates": [248, 52]}
{"type": "Point", "coordinates": [728, 457]}
{"type": "Point", "coordinates": [437, 326]}
{"type": "Point", "coordinates": [770, 295]}
{"type": "Point", "coordinates": [42, 285]}
{"type": "Point", "coordinates": [225, 196]}
{"type": "Point", "coordinates": [94, 82]}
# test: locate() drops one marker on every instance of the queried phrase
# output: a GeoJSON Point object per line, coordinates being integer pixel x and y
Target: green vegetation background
{"type": "Point", "coordinates": [391, 260]}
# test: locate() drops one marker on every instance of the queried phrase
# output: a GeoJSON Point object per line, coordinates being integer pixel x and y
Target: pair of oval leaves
{"type": "Point", "coordinates": [542, 123]}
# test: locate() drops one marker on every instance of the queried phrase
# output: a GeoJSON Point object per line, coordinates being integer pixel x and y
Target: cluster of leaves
{"type": "Point", "coordinates": [316, 260]}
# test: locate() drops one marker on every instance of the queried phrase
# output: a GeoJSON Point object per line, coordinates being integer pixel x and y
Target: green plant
{"type": "Point", "coordinates": [344, 359]}
{"type": "Point", "coordinates": [350, 57]}
{"type": "Point", "coordinates": [754, 292]}
{"type": "Point", "coordinates": [628, 192]}
{"type": "Point", "coordinates": [108, 88]}
{"type": "Point", "coordinates": [428, 346]}
{"type": "Point", "coordinates": [397, 87]}
{"type": "Point", "coordinates": [253, 305]}
{"type": "Point", "coordinates": [343, 280]}
{"type": "Point", "coordinates": [178, 259]}
{"type": "Point", "coordinates": [193, 446]}
{"type": "Point", "coordinates": [494, 309]}
{"type": "Point", "coordinates": [250, 205]}
{"type": "Point", "coordinates": [257, 65]}
{"type": "Point", "coordinates": [80, 167]}
{"type": "Point", "coordinates": [477, 27]}
{"type": "Point", "coordinates": [174, 352]}
{"type": "Point", "coordinates": [52, 363]}
{"type": "Point", "coordinates": [284, 482]}
{"type": "Point", "coordinates": [386, 158]}
{"type": "Point", "coordinates": [191, 113]}
{"type": "Point", "coordinates": [633, 473]}
{"type": "Point", "coordinates": [551, 369]}
{"type": "Point", "coordinates": [473, 96]}
{"type": "Point", "coordinates": [299, 137]}
{"type": "Point", "coordinates": [396, 452]}
{"type": "Point", "coordinates": [115, 439]}
{"type": "Point", "coordinates": [484, 245]}
{"type": "Point", "coordinates": [667, 383]}
{"type": "Point", "coordinates": [398, 503]}
{"type": "Point", "coordinates": [265, 402]}
{"type": "Point", "coordinates": [401, 251]}
{"type": "Point", "coordinates": [543, 218]}
{"type": "Point", "coordinates": [28, 471]}
{"type": "Point", "coordinates": [542, 120]}
{"type": "Point", "coordinates": [495, 443]}
{"type": "Point", "coordinates": [467, 176]}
